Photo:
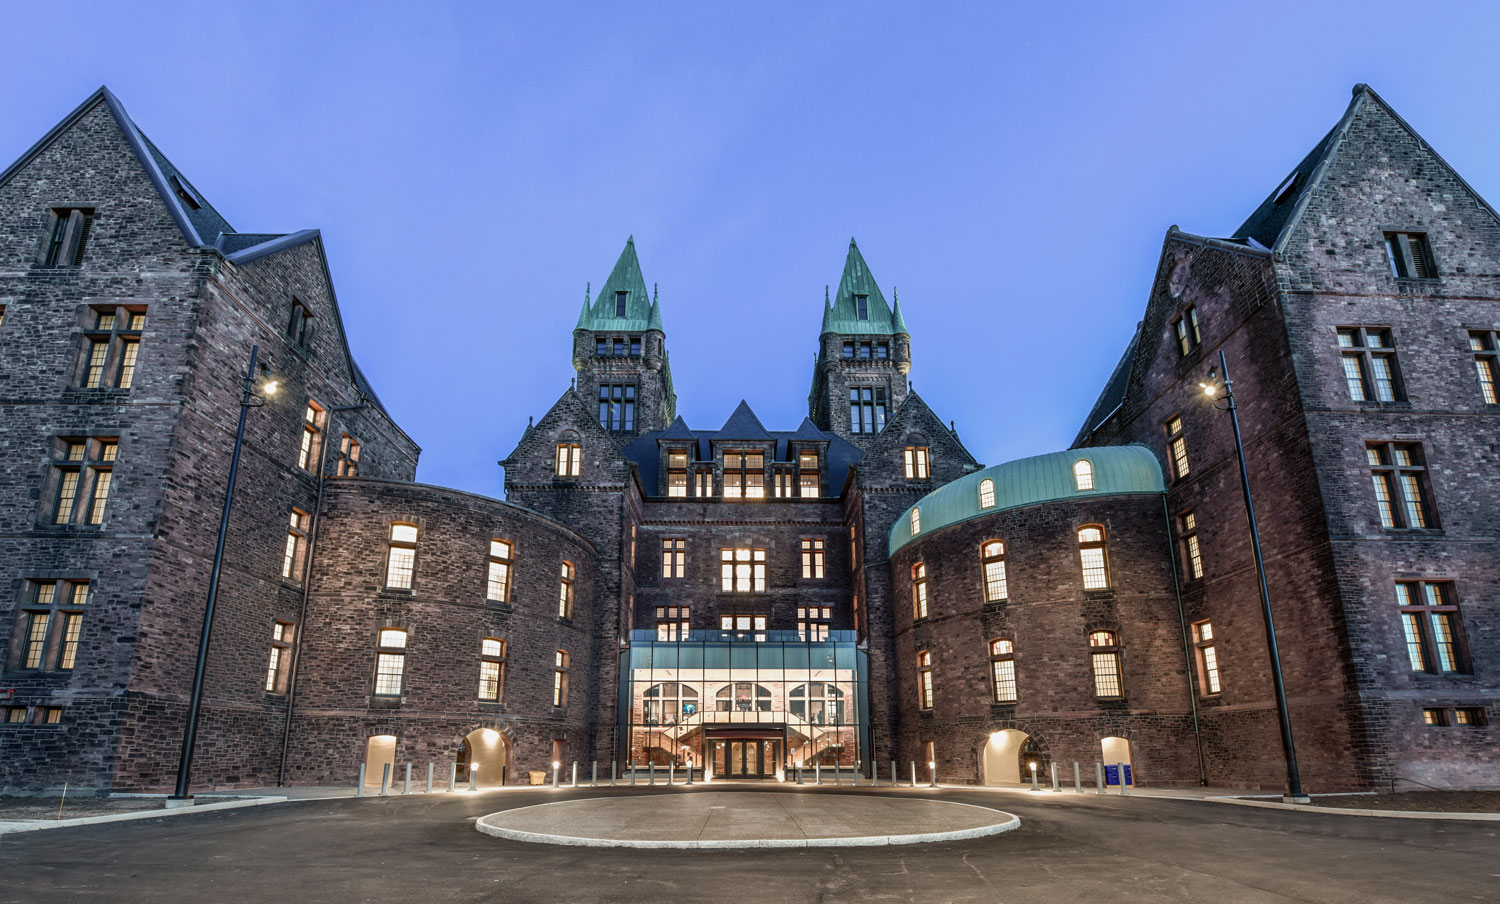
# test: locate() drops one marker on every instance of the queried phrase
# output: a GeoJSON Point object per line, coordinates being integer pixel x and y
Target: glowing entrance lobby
{"type": "Point", "coordinates": [746, 705]}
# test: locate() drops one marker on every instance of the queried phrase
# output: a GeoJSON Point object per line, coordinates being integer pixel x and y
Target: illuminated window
{"type": "Point", "coordinates": [1402, 494]}
{"type": "Point", "coordinates": [1003, 670]}
{"type": "Point", "coordinates": [565, 592]}
{"type": "Point", "coordinates": [314, 419]}
{"type": "Point", "coordinates": [1434, 716]}
{"type": "Point", "coordinates": [1208, 658]}
{"type": "Point", "coordinates": [672, 622]}
{"type": "Point", "coordinates": [1186, 329]}
{"type": "Point", "coordinates": [866, 409]}
{"type": "Point", "coordinates": [497, 583]}
{"type": "Point", "coordinates": [812, 557]}
{"type": "Point", "coordinates": [281, 657]}
{"type": "Point", "coordinates": [83, 474]}
{"type": "Point", "coordinates": [919, 591]}
{"type": "Point", "coordinates": [744, 475]}
{"type": "Point", "coordinates": [742, 570]}
{"type": "Point", "coordinates": [813, 622]}
{"type": "Point", "coordinates": [491, 669]}
{"type": "Point", "coordinates": [986, 493]}
{"type": "Point", "coordinates": [915, 460]}
{"type": "Point", "coordinates": [1104, 650]}
{"type": "Point", "coordinates": [992, 558]}
{"type": "Point", "coordinates": [1177, 447]}
{"type": "Point", "coordinates": [560, 680]}
{"type": "Point", "coordinates": [111, 347]}
{"type": "Point", "coordinates": [820, 703]}
{"type": "Point", "coordinates": [348, 456]}
{"type": "Point", "coordinates": [67, 236]}
{"type": "Point", "coordinates": [51, 606]}
{"type": "Point", "coordinates": [916, 521]}
{"type": "Point", "coordinates": [1092, 555]}
{"type": "Point", "coordinates": [1192, 556]}
{"type": "Point", "coordinates": [1486, 347]}
{"type": "Point", "coordinates": [924, 680]}
{"type": "Point", "coordinates": [402, 558]}
{"type": "Point", "coordinates": [1429, 619]}
{"type": "Point", "coordinates": [1473, 716]}
{"type": "Point", "coordinates": [1083, 474]}
{"type": "Point", "coordinates": [677, 475]}
{"type": "Point", "coordinates": [673, 557]}
{"type": "Point", "coordinates": [744, 626]}
{"type": "Point", "coordinates": [569, 459]}
{"type": "Point", "coordinates": [296, 546]}
{"type": "Point", "coordinates": [390, 662]}
{"type": "Point", "coordinates": [1369, 363]}
{"type": "Point", "coordinates": [1409, 255]}
{"type": "Point", "coordinates": [808, 485]}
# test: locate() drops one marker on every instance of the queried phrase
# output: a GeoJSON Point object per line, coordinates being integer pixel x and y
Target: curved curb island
{"type": "Point", "coordinates": [708, 820]}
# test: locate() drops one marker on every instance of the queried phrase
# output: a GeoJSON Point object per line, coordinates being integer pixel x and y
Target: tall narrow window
{"type": "Point", "coordinates": [348, 456]}
{"type": "Point", "coordinates": [1208, 658]}
{"type": "Point", "coordinates": [919, 591]}
{"type": "Point", "coordinates": [1409, 255]}
{"type": "Point", "coordinates": [497, 584]}
{"type": "Point", "coordinates": [677, 475]}
{"type": "Point", "coordinates": [617, 406]}
{"type": "Point", "coordinates": [569, 459]}
{"type": "Point", "coordinates": [296, 546]}
{"type": "Point", "coordinates": [703, 481]}
{"type": "Point", "coordinates": [1429, 618]}
{"type": "Point", "coordinates": [1177, 447]}
{"type": "Point", "coordinates": [915, 460]}
{"type": "Point", "coordinates": [1003, 671]}
{"type": "Point", "coordinates": [808, 485]}
{"type": "Point", "coordinates": [812, 557]}
{"type": "Point", "coordinates": [992, 559]}
{"type": "Point", "coordinates": [866, 409]}
{"type": "Point", "coordinates": [390, 662]}
{"type": "Point", "coordinates": [1104, 651]}
{"type": "Point", "coordinates": [1083, 475]}
{"type": "Point", "coordinates": [402, 558]}
{"type": "Point", "coordinates": [565, 592]}
{"type": "Point", "coordinates": [986, 493]}
{"type": "Point", "coordinates": [83, 474]}
{"type": "Point", "coordinates": [742, 570]}
{"type": "Point", "coordinates": [1486, 350]}
{"type": "Point", "coordinates": [1186, 328]}
{"type": "Point", "coordinates": [672, 622]}
{"type": "Point", "coordinates": [744, 475]}
{"type": "Point", "coordinates": [491, 669]}
{"type": "Point", "coordinates": [924, 680]}
{"type": "Point", "coordinates": [673, 557]}
{"type": "Point", "coordinates": [66, 237]}
{"type": "Point", "coordinates": [112, 347]}
{"type": "Point", "coordinates": [1402, 494]}
{"type": "Point", "coordinates": [1369, 362]}
{"type": "Point", "coordinates": [560, 680]}
{"type": "Point", "coordinates": [314, 419]}
{"type": "Point", "coordinates": [281, 654]}
{"type": "Point", "coordinates": [813, 622]}
{"type": "Point", "coordinates": [1091, 553]}
{"type": "Point", "coordinates": [36, 639]}
{"type": "Point", "coordinates": [862, 307]}
{"type": "Point", "coordinates": [299, 327]}
{"type": "Point", "coordinates": [620, 298]}
{"type": "Point", "coordinates": [916, 521]}
{"type": "Point", "coordinates": [1192, 557]}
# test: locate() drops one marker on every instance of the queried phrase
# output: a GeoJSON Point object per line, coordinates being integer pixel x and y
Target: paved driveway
{"type": "Point", "coordinates": [1071, 849]}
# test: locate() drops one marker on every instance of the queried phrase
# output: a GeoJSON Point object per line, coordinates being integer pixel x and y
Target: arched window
{"type": "Point", "coordinates": [1003, 670]}
{"type": "Point", "coordinates": [1091, 554]}
{"type": "Point", "coordinates": [1083, 474]}
{"type": "Point", "coordinates": [986, 493]}
{"type": "Point", "coordinates": [390, 661]}
{"type": "Point", "coordinates": [403, 556]}
{"type": "Point", "coordinates": [743, 697]}
{"type": "Point", "coordinates": [666, 703]}
{"type": "Point", "coordinates": [818, 703]}
{"type": "Point", "coordinates": [491, 669]}
{"type": "Point", "coordinates": [916, 521]}
{"type": "Point", "coordinates": [1104, 650]}
{"type": "Point", "coordinates": [924, 679]}
{"type": "Point", "coordinates": [565, 593]}
{"type": "Point", "coordinates": [992, 557]}
{"type": "Point", "coordinates": [919, 591]}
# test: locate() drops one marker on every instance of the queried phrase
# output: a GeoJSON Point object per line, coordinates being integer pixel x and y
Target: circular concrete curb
{"type": "Point", "coordinates": [483, 825]}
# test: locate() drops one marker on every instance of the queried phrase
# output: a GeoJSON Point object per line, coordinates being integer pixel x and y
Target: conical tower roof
{"type": "Point", "coordinates": [842, 315]}
{"type": "Point", "coordinates": [603, 313]}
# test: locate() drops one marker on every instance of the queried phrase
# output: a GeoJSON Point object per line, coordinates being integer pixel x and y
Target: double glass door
{"type": "Point", "coordinates": [746, 758]}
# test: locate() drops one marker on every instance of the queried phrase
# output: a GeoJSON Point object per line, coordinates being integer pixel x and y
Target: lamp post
{"type": "Point", "coordinates": [1293, 777]}
{"type": "Point", "coordinates": [248, 400]}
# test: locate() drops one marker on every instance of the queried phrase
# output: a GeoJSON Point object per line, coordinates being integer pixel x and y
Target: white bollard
{"type": "Point", "coordinates": [452, 776]}
{"type": "Point", "coordinates": [1055, 786]}
{"type": "Point", "coordinates": [556, 773]}
{"type": "Point", "coordinates": [1077, 779]}
{"type": "Point", "coordinates": [594, 777]}
{"type": "Point", "coordinates": [429, 778]}
{"type": "Point", "coordinates": [651, 773]}
{"type": "Point", "coordinates": [932, 769]}
{"type": "Point", "coordinates": [671, 773]}
{"type": "Point", "coordinates": [385, 779]}
{"type": "Point", "coordinates": [575, 773]}
{"type": "Point", "coordinates": [614, 771]}
{"type": "Point", "coordinates": [359, 790]}
{"type": "Point", "coordinates": [473, 777]}
{"type": "Point", "coordinates": [406, 788]}
{"type": "Point", "coordinates": [1034, 785]}
{"type": "Point", "coordinates": [894, 781]}
{"type": "Point", "coordinates": [913, 773]}
{"type": "Point", "coordinates": [1124, 785]}
{"type": "Point", "coordinates": [690, 772]}
{"type": "Point", "coordinates": [1099, 775]}
{"type": "Point", "coordinates": [817, 773]}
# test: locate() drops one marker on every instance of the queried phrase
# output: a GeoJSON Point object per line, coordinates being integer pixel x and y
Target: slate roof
{"type": "Point", "coordinates": [841, 316]}
{"type": "Point", "coordinates": [1114, 390]}
{"type": "Point", "coordinates": [1118, 471]}
{"type": "Point", "coordinates": [644, 451]}
{"type": "Point", "coordinates": [641, 311]}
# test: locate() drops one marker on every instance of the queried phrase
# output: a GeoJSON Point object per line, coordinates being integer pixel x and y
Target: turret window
{"type": "Point", "coordinates": [866, 409]}
{"type": "Point", "coordinates": [1104, 652]}
{"type": "Point", "coordinates": [919, 591]}
{"type": "Point", "coordinates": [924, 680]}
{"type": "Point", "coordinates": [497, 583]}
{"type": "Point", "coordinates": [862, 307]}
{"type": "Point", "coordinates": [916, 521]}
{"type": "Point", "coordinates": [1093, 558]}
{"type": "Point", "coordinates": [1083, 475]}
{"type": "Point", "coordinates": [565, 592]}
{"type": "Point", "coordinates": [617, 406]}
{"type": "Point", "coordinates": [992, 557]}
{"type": "Point", "coordinates": [402, 559]}
{"type": "Point", "coordinates": [986, 493]}
{"type": "Point", "coordinates": [390, 662]}
{"type": "Point", "coordinates": [620, 299]}
{"type": "Point", "coordinates": [1003, 671]}
{"type": "Point", "coordinates": [491, 669]}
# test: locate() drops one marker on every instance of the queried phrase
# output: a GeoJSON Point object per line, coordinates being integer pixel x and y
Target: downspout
{"type": "Point", "coordinates": [1187, 647]}
{"type": "Point", "coordinates": [312, 549]}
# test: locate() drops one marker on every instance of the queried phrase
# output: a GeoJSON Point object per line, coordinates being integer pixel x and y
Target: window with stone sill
{"type": "Point", "coordinates": [491, 669]}
{"type": "Point", "coordinates": [924, 679]}
{"type": "Point", "coordinates": [280, 660]}
{"type": "Point", "coordinates": [1093, 557]}
{"type": "Point", "coordinates": [1485, 344]}
{"type": "Point", "coordinates": [744, 475]}
{"type": "Point", "coordinates": [1003, 670]}
{"type": "Point", "coordinates": [1409, 255]}
{"type": "Point", "coordinates": [1368, 358]}
{"type": "Point", "coordinates": [314, 421]}
{"type": "Point", "coordinates": [1192, 554]}
{"type": "Point", "coordinates": [497, 583]}
{"type": "Point", "coordinates": [401, 559]}
{"type": "Point", "coordinates": [111, 347]}
{"type": "Point", "coordinates": [560, 680]}
{"type": "Point", "coordinates": [677, 472]}
{"type": "Point", "coordinates": [808, 485]}
{"type": "Point", "coordinates": [812, 558]}
{"type": "Point", "coordinates": [992, 561]}
{"type": "Point", "coordinates": [1176, 447]}
{"type": "Point", "coordinates": [82, 477]}
{"type": "Point", "coordinates": [1104, 654]}
{"type": "Point", "coordinates": [742, 570]}
{"type": "Point", "coordinates": [919, 591]}
{"type": "Point", "coordinates": [867, 409]}
{"type": "Point", "coordinates": [565, 592]}
{"type": "Point", "coordinates": [296, 546]}
{"type": "Point", "coordinates": [569, 461]}
{"type": "Point", "coordinates": [915, 461]}
{"type": "Point", "coordinates": [390, 662]}
{"type": "Point", "coordinates": [1403, 496]}
{"type": "Point", "coordinates": [1432, 627]}
{"type": "Point", "coordinates": [1209, 682]}
{"type": "Point", "coordinates": [348, 456]}
{"type": "Point", "coordinates": [674, 557]}
{"type": "Point", "coordinates": [50, 625]}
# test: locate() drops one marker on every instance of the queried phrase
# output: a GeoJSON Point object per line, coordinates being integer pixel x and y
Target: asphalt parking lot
{"type": "Point", "coordinates": [1070, 848]}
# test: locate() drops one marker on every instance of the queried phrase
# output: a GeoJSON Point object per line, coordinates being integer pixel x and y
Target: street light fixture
{"type": "Point", "coordinates": [248, 400]}
{"type": "Point", "coordinates": [1212, 390]}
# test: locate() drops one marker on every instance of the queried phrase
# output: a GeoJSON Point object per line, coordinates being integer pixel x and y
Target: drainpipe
{"type": "Point", "coordinates": [312, 549]}
{"type": "Point", "coordinates": [1187, 647]}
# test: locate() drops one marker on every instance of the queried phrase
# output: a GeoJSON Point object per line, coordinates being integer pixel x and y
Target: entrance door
{"type": "Point", "coordinates": [750, 758]}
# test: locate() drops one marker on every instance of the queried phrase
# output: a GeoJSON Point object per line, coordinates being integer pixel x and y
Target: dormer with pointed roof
{"type": "Point", "coordinates": [864, 355]}
{"type": "Point", "coordinates": [620, 352]}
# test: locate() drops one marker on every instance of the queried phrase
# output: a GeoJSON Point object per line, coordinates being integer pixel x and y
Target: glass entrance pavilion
{"type": "Point", "coordinates": [750, 704]}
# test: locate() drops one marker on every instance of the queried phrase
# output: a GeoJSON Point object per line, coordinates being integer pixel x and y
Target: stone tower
{"type": "Point", "coordinates": [864, 355]}
{"type": "Point", "coordinates": [620, 353]}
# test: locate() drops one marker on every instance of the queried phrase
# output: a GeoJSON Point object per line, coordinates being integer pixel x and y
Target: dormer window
{"type": "Point", "coordinates": [620, 303]}
{"type": "Point", "coordinates": [185, 194]}
{"type": "Point", "coordinates": [862, 307]}
{"type": "Point", "coordinates": [1083, 475]}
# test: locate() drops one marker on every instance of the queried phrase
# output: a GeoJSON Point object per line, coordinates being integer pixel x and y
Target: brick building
{"type": "Point", "coordinates": [741, 600]}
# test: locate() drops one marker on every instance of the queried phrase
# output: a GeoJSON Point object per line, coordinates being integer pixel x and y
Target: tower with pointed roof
{"type": "Point", "coordinates": [864, 355]}
{"type": "Point", "coordinates": [620, 353]}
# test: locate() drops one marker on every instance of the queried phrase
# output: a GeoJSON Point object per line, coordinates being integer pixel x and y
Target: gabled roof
{"type": "Point", "coordinates": [678, 429]}
{"type": "Point", "coordinates": [1114, 390]}
{"type": "Point", "coordinates": [743, 424]}
{"type": "Point", "coordinates": [842, 316]}
{"type": "Point", "coordinates": [641, 311]}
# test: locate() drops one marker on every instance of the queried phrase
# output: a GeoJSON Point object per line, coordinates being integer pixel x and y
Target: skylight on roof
{"type": "Point", "coordinates": [1287, 187]}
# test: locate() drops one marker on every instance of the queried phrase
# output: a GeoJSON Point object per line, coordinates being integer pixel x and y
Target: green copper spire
{"type": "Point", "coordinates": [583, 316]}
{"type": "Point", "coordinates": [898, 323]}
{"type": "Point", "coordinates": [604, 313]}
{"type": "Point", "coordinates": [843, 315]}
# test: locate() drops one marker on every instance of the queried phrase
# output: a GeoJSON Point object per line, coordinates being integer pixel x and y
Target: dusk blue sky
{"type": "Point", "coordinates": [1011, 168]}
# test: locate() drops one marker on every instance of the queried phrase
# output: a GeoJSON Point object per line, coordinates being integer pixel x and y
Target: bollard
{"type": "Point", "coordinates": [1077, 779]}
{"type": "Point", "coordinates": [429, 777]}
{"type": "Point", "coordinates": [385, 780]}
{"type": "Point", "coordinates": [614, 771]}
{"type": "Point", "coordinates": [856, 773]}
{"type": "Point", "coordinates": [406, 789]}
{"type": "Point", "coordinates": [575, 773]}
{"type": "Point", "coordinates": [359, 790]}
{"type": "Point", "coordinates": [1124, 785]}
{"type": "Point", "coordinates": [556, 773]}
{"type": "Point", "coordinates": [1099, 775]}
{"type": "Point", "coordinates": [799, 775]}
{"type": "Point", "coordinates": [651, 768]}
{"type": "Point", "coordinates": [671, 773]}
{"type": "Point", "coordinates": [632, 773]}
{"type": "Point", "coordinates": [690, 772]}
{"type": "Point", "coordinates": [838, 771]}
{"type": "Point", "coordinates": [452, 776]}
{"type": "Point", "coordinates": [913, 773]}
{"type": "Point", "coordinates": [894, 782]}
{"type": "Point", "coordinates": [473, 778]}
{"type": "Point", "coordinates": [817, 773]}
{"type": "Point", "coordinates": [1034, 785]}
{"type": "Point", "coordinates": [1055, 786]}
{"type": "Point", "coordinates": [594, 779]}
{"type": "Point", "coordinates": [932, 771]}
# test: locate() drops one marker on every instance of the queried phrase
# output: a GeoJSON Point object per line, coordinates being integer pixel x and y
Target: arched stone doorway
{"type": "Point", "coordinates": [380, 751]}
{"type": "Point", "coordinates": [485, 752]}
{"type": "Point", "coordinates": [1116, 750]}
{"type": "Point", "coordinates": [1001, 756]}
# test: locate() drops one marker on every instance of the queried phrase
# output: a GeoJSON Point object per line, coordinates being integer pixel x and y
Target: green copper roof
{"type": "Point", "coordinates": [1118, 471]}
{"type": "Point", "coordinates": [842, 315]}
{"type": "Point", "coordinates": [641, 313]}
